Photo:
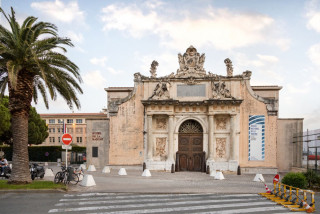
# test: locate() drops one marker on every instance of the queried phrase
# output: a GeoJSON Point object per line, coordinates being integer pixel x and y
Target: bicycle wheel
{"type": "Point", "coordinates": [57, 178]}
{"type": "Point", "coordinates": [65, 178]}
{"type": "Point", "coordinates": [75, 179]}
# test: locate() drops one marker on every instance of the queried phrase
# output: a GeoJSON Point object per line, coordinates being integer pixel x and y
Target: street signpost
{"type": "Point", "coordinates": [66, 140]}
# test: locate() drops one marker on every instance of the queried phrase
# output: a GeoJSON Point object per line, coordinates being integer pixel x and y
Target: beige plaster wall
{"type": "Point", "coordinates": [252, 106]}
{"type": "Point", "coordinates": [289, 154]}
{"type": "Point", "coordinates": [126, 132]}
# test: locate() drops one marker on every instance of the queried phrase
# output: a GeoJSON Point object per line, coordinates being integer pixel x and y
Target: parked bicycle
{"type": "Point", "coordinates": [66, 176]}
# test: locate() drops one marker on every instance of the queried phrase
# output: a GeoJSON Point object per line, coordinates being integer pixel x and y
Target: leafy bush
{"type": "Point", "coordinates": [295, 179]}
{"type": "Point", "coordinates": [312, 177]}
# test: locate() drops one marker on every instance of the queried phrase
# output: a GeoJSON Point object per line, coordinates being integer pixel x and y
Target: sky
{"type": "Point", "coordinates": [279, 41]}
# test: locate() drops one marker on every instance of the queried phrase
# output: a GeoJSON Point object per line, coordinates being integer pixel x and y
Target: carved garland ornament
{"type": "Point", "coordinates": [221, 147]}
{"type": "Point", "coordinates": [221, 123]}
{"type": "Point", "coordinates": [161, 146]}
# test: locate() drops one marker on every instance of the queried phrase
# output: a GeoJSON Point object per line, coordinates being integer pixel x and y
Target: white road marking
{"type": "Point", "coordinates": [185, 199]}
{"type": "Point", "coordinates": [176, 209]}
{"type": "Point", "coordinates": [153, 195]}
{"type": "Point", "coordinates": [246, 210]}
{"type": "Point", "coordinates": [160, 209]}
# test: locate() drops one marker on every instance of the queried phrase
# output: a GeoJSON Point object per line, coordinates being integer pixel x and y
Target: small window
{"type": "Point", "coordinates": [52, 121]}
{"type": "Point", "coordinates": [79, 121]}
{"type": "Point", "coordinates": [79, 139]}
{"type": "Point", "coordinates": [60, 120]}
{"type": "Point", "coordinates": [53, 130]}
{"type": "Point", "coordinates": [94, 152]}
{"type": "Point", "coordinates": [59, 140]}
{"type": "Point", "coordinates": [69, 120]}
{"type": "Point", "coordinates": [79, 130]}
{"type": "Point", "coordinates": [59, 130]}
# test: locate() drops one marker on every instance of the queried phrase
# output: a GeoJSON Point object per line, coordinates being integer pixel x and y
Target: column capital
{"type": "Point", "coordinates": [149, 115]}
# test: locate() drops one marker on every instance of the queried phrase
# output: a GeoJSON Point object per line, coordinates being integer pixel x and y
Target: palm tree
{"type": "Point", "coordinates": [31, 63]}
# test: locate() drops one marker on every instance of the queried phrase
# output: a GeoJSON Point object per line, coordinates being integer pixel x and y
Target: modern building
{"type": "Point", "coordinates": [74, 124]}
{"type": "Point", "coordinates": [192, 120]}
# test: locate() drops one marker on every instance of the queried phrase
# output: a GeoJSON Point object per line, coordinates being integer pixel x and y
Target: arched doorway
{"type": "Point", "coordinates": [190, 155]}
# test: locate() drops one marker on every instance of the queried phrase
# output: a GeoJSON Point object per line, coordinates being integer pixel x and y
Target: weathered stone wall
{"type": "Point", "coordinates": [98, 136]}
{"type": "Point", "coordinates": [289, 154]}
{"type": "Point", "coordinates": [126, 131]}
{"type": "Point", "coordinates": [252, 106]}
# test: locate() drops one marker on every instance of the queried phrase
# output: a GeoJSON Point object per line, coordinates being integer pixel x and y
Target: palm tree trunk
{"type": "Point", "coordinates": [20, 99]}
{"type": "Point", "coordinates": [20, 158]}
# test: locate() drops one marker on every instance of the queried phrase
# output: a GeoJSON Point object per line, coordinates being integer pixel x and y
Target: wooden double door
{"type": "Point", "coordinates": [190, 155]}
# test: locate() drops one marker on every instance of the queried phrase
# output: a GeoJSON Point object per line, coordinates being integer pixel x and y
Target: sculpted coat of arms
{"type": "Point", "coordinates": [191, 63]}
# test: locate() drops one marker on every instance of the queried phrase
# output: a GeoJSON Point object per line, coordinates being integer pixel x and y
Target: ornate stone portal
{"type": "Point", "coordinates": [150, 123]}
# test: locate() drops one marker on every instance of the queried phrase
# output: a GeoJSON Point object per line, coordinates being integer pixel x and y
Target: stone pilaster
{"type": "Point", "coordinates": [211, 139]}
{"type": "Point", "coordinates": [150, 143]}
{"type": "Point", "coordinates": [232, 137]}
{"type": "Point", "coordinates": [170, 144]}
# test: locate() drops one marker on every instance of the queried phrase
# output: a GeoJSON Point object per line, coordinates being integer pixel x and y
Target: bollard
{"type": "Point", "coordinates": [208, 169]}
{"type": "Point", "coordinates": [239, 170]}
{"type": "Point", "coordinates": [172, 168]}
{"type": "Point", "coordinates": [144, 166]}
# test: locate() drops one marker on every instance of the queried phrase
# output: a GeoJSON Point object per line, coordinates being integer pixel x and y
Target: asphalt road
{"type": "Point", "coordinates": [34, 203]}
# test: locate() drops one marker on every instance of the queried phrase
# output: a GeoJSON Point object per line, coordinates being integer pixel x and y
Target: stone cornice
{"type": "Point", "coordinates": [191, 103]}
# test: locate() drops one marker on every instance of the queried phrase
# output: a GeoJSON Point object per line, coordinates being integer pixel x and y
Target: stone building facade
{"type": "Point", "coordinates": [193, 119]}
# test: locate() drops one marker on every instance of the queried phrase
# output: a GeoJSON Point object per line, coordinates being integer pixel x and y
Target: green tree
{"type": "Point", "coordinates": [4, 116]}
{"type": "Point", "coordinates": [38, 129]}
{"type": "Point", "coordinates": [30, 64]}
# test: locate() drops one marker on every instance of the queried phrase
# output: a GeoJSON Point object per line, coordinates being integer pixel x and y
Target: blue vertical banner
{"type": "Point", "coordinates": [256, 137]}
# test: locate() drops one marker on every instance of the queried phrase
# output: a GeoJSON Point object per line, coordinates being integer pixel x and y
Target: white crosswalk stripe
{"type": "Point", "coordinates": [118, 203]}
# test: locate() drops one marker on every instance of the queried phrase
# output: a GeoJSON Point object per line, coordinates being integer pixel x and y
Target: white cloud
{"type": "Point", "coordinates": [314, 54]}
{"type": "Point", "coordinates": [75, 37]}
{"type": "Point", "coordinates": [94, 79]}
{"type": "Point", "coordinates": [114, 71]}
{"type": "Point", "coordinates": [99, 61]}
{"type": "Point", "coordinates": [300, 89]}
{"type": "Point", "coordinates": [222, 28]}
{"type": "Point", "coordinates": [268, 58]}
{"type": "Point", "coordinates": [167, 63]}
{"type": "Point", "coordinates": [313, 15]}
{"type": "Point", "coordinates": [64, 12]}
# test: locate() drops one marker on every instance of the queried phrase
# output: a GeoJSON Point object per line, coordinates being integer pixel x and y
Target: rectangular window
{"type": "Point", "coordinates": [69, 120]}
{"type": "Point", "coordinates": [94, 152]}
{"type": "Point", "coordinates": [53, 130]}
{"type": "Point", "coordinates": [79, 139]}
{"type": "Point", "coordinates": [58, 130]}
{"type": "Point", "coordinates": [79, 121]}
{"type": "Point", "coordinates": [51, 139]}
{"type": "Point", "coordinates": [70, 130]}
{"type": "Point", "coordinates": [59, 140]}
{"type": "Point", "coordinates": [60, 120]}
{"type": "Point", "coordinates": [52, 121]}
{"type": "Point", "coordinates": [79, 130]}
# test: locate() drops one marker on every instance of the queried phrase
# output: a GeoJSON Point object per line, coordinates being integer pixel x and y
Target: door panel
{"type": "Point", "coordinates": [190, 152]}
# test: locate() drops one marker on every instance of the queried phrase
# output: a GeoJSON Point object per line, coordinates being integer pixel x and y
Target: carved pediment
{"type": "Point", "coordinates": [191, 64]}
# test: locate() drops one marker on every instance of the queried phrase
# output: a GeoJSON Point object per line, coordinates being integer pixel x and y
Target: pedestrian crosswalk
{"type": "Point", "coordinates": [119, 203]}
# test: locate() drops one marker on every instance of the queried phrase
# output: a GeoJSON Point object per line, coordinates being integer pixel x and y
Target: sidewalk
{"type": "Point", "coordinates": [166, 182]}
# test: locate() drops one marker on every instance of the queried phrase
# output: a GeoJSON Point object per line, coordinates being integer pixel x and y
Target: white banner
{"type": "Point", "coordinates": [66, 147]}
{"type": "Point", "coordinates": [256, 137]}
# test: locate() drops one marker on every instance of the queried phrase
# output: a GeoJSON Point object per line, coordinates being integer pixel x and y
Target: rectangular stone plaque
{"type": "Point", "coordinates": [191, 90]}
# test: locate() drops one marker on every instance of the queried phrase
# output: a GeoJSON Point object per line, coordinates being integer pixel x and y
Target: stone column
{"type": "Point", "coordinates": [211, 138]}
{"type": "Point", "coordinates": [232, 137]}
{"type": "Point", "coordinates": [150, 143]}
{"type": "Point", "coordinates": [170, 134]}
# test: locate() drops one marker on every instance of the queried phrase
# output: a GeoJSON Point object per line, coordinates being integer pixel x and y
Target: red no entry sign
{"type": "Point", "coordinates": [66, 139]}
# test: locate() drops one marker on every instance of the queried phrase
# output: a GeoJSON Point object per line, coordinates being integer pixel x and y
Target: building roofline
{"type": "Point", "coordinates": [290, 118]}
{"type": "Point", "coordinates": [119, 89]}
{"type": "Point", "coordinates": [266, 87]}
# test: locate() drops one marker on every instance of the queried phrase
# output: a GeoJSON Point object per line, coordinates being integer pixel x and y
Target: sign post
{"type": "Point", "coordinates": [66, 139]}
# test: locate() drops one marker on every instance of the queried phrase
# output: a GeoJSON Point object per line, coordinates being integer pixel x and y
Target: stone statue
{"type": "Point", "coordinates": [161, 91]}
{"type": "Point", "coordinates": [228, 63]}
{"type": "Point", "coordinates": [191, 63]}
{"type": "Point", "coordinates": [153, 69]}
{"type": "Point", "coordinates": [220, 91]}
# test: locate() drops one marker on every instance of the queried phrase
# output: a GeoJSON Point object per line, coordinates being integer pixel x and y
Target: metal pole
{"type": "Point", "coordinates": [308, 149]}
{"type": "Point", "coordinates": [66, 157]}
{"type": "Point", "coordinates": [316, 165]}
